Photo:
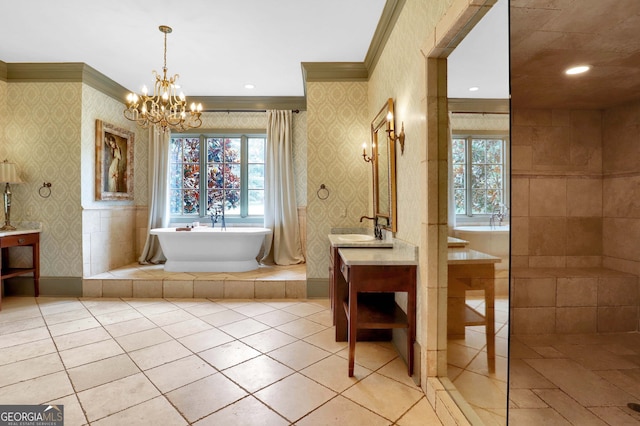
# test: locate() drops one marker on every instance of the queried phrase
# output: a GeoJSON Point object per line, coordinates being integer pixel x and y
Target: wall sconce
{"type": "Point", "coordinates": [8, 175]}
{"type": "Point", "coordinates": [392, 134]}
{"type": "Point", "coordinates": [364, 153]}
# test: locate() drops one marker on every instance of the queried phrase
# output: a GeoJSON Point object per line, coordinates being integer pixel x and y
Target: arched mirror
{"type": "Point", "coordinates": [384, 168]}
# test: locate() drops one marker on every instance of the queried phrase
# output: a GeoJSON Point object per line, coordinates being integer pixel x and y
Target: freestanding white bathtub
{"type": "Point", "coordinates": [205, 249]}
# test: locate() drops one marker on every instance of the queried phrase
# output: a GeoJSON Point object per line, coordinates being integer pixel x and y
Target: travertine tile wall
{"type": "Point", "coordinates": [621, 188]}
{"type": "Point", "coordinates": [556, 204]}
{"type": "Point", "coordinates": [575, 207]}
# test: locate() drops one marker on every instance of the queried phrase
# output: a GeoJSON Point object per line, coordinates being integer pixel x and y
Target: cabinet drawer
{"type": "Point", "coordinates": [19, 240]}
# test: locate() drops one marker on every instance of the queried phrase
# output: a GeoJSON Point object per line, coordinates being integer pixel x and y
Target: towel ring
{"type": "Point", "coordinates": [323, 192]}
{"type": "Point", "coordinates": [45, 190]}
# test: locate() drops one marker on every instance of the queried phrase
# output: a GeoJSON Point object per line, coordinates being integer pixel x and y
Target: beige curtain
{"type": "Point", "coordinates": [280, 210]}
{"type": "Point", "coordinates": [158, 194]}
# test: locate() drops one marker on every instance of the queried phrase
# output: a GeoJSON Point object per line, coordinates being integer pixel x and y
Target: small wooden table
{"type": "Point", "coordinates": [19, 238]}
{"type": "Point", "coordinates": [471, 270]}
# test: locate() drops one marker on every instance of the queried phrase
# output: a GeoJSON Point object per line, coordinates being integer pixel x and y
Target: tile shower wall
{"type": "Point", "coordinates": [574, 183]}
{"type": "Point", "coordinates": [621, 188]}
{"type": "Point", "coordinates": [556, 183]}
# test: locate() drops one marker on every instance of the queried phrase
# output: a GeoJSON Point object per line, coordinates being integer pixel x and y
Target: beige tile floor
{"type": "Point", "coordinates": [135, 361]}
{"type": "Point", "coordinates": [468, 369]}
{"type": "Point", "coordinates": [574, 379]}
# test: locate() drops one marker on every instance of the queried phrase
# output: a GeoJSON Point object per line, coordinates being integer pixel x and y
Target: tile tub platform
{"type": "Point", "coordinates": [266, 282]}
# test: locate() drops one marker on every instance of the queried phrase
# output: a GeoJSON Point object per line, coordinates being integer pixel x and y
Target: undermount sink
{"type": "Point", "coordinates": [353, 238]}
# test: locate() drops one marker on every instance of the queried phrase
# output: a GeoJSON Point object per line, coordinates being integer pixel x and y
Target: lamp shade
{"type": "Point", "coordinates": [8, 173]}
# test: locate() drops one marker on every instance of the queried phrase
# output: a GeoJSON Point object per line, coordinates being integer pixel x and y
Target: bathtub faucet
{"type": "Point", "coordinates": [500, 212]}
{"type": "Point", "coordinates": [377, 231]}
{"type": "Point", "coordinates": [218, 214]}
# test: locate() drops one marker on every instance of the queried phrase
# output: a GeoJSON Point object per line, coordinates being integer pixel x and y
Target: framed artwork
{"type": "Point", "coordinates": [114, 162]}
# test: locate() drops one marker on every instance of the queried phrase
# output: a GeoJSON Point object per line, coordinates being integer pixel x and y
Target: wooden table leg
{"type": "Point", "coordinates": [489, 300]}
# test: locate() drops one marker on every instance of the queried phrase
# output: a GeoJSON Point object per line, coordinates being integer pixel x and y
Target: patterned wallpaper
{"type": "Point", "coordinates": [337, 125]}
{"type": "Point", "coordinates": [43, 136]}
{"type": "Point", "coordinates": [3, 118]}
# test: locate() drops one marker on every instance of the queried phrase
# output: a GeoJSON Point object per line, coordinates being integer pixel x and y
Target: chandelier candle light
{"type": "Point", "coordinates": [165, 108]}
{"type": "Point", "coordinates": [8, 175]}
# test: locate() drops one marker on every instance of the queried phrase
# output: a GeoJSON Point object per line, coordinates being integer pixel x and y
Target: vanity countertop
{"type": "Point", "coordinates": [23, 228]}
{"type": "Point", "coordinates": [459, 256]}
{"type": "Point", "coordinates": [336, 241]}
{"type": "Point", "coordinates": [456, 242]}
{"type": "Point", "coordinates": [400, 254]}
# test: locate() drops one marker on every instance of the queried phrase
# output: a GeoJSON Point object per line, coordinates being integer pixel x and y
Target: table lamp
{"type": "Point", "coordinates": [8, 175]}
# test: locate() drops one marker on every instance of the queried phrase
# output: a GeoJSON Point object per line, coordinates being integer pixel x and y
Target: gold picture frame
{"type": "Point", "coordinates": [114, 162]}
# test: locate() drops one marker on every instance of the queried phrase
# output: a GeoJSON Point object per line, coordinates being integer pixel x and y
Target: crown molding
{"type": "Point", "coordinates": [249, 103]}
{"type": "Point", "coordinates": [388, 19]}
{"type": "Point", "coordinates": [3, 71]}
{"type": "Point", "coordinates": [102, 83]}
{"type": "Point", "coordinates": [77, 72]}
{"type": "Point", "coordinates": [487, 106]}
{"type": "Point", "coordinates": [334, 71]}
{"type": "Point", "coordinates": [65, 72]}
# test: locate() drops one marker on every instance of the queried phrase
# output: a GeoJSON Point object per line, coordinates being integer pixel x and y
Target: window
{"type": "Point", "coordinates": [232, 170]}
{"type": "Point", "coordinates": [479, 174]}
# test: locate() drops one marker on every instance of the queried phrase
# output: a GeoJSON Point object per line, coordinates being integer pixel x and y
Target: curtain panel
{"type": "Point", "coordinates": [283, 246]}
{"type": "Point", "coordinates": [158, 194]}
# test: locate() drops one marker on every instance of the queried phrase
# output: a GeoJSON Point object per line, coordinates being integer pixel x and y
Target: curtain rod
{"type": "Point", "coordinates": [478, 112]}
{"type": "Point", "coordinates": [295, 111]}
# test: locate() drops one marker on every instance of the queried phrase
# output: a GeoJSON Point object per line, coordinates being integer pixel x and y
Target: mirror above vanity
{"type": "Point", "coordinates": [383, 161]}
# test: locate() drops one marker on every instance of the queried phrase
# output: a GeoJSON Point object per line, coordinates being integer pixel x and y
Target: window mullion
{"type": "Point", "coordinates": [468, 167]}
{"type": "Point", "coordinates": [244, 176]}
{"type": "Point", "coordinates": [203, 176]}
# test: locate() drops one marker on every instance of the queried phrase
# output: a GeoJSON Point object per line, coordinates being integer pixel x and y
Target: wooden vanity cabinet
{"type": "Point", "coordinates": [365, 307]}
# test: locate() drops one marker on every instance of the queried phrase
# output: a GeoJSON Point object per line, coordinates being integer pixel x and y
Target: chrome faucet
{"type": "Point", "coordinates": [377, 231]}
{"type": "Point", "coordinates": [218, 214]}
{"type": "Point", "coordinates": [500, 212]}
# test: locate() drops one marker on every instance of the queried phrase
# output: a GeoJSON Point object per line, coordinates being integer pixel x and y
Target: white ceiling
{"type": "Point", "coordinates": [218, 46]}
{"type": "Point", "coordinates": [482, 58]}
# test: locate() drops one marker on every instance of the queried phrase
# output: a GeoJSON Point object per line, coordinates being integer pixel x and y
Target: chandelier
{"type": "Point", "coordinates": [165, 108]}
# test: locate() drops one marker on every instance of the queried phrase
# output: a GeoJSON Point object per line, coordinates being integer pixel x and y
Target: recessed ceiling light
{"type": "Point", "coordinates": [249, 86]}
{"type": "Point", "coordinates": [474, 89]}
{"type": "Point", "coordinates": [577, 70]}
